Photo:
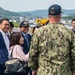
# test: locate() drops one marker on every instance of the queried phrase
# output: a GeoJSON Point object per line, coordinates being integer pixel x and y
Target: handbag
{"type": "Point", "coordinates": [13, 65]}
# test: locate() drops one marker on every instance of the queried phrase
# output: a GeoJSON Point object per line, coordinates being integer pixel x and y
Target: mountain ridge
{"type": "Point", "coordinates": [41, 13]}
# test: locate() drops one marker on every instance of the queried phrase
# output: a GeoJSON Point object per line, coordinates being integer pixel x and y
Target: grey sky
{"type": "Point", "coordinates": [29, 5]}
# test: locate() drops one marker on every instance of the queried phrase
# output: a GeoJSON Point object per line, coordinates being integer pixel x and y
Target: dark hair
{"type": "Point", "coordinates": [1, 20]}
{"type": "Point", "coordinates": [14, 38]}
{"type": "Point", "coordinates": [72, 20]}
{"type": "Point", "coordinates": [11, 24]}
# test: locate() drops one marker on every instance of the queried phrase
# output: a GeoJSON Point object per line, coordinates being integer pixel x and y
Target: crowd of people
{"type": "Point", "coordinates": [50, 50]}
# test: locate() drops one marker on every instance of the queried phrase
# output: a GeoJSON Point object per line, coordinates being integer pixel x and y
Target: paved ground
{"type": "Point", "coordinates": [16, 30]}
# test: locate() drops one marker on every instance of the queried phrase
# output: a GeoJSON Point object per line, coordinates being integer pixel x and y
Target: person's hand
{"type": "Point", "coordinates": [34, 73]}
{"type": "Point", "coordinates": [74, 74]}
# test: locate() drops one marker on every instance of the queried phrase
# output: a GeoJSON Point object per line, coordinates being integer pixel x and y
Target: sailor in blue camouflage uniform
{"type": "Point", "coordinates": [52, 50]}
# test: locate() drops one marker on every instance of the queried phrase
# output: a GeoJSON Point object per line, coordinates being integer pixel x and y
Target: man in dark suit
{"type": "Point", "coordinates": [73, 25]}
{"type": "Point", "coordinates": [24, 28]}
{"type": "Point", "coordinates": [11, 26]}
{"type": "Point", "coordinates": [4, 43]}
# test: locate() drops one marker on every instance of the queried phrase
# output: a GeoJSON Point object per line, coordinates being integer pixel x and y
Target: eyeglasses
{"type": "Point", "coordinates": [25, 26]}
{"type": "Point", "coordinates": [6, 24]}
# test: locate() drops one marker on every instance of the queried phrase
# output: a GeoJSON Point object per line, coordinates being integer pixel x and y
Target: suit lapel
{"type": "Point", "coordinates": [25, 39]}
{"type": "Point", "coordinates": [2, 39]}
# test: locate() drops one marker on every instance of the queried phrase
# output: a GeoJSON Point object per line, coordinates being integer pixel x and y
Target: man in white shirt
{"type": "Point", "coordinates": [4, 43]}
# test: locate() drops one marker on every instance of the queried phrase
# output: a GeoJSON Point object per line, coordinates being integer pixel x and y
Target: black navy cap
{"type": "Point", "coordinates": [54, 10]}
{"type": "Point", "coordinates": [24, 24]}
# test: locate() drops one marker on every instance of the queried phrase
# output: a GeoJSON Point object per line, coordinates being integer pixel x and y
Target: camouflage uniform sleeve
{"type": "Point", "coordinates": [33, 54]}
{"type": "Point", "coordinates": [73, 53]}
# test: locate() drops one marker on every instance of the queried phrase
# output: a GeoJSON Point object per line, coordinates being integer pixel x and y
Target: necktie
{"type": "Point", "coordinates": [26, 37]}
{"type": "Point", "coordinates": [8, 36]}
{"type": "Point", "coordinates": [7, 41]}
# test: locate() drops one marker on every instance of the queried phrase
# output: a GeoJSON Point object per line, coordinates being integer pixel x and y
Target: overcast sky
{"type": "Point", "coordinates": [30, 5]}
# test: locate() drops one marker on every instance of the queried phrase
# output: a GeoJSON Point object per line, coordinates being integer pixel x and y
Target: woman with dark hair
{"type": "Point", "coordinates": [16, 51]}
{"type": "Point", "coordinates": [16, 40]}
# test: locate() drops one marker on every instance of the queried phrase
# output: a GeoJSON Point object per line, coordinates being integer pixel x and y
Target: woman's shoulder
{"type": "Point", "coordinates": [17, 46]}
